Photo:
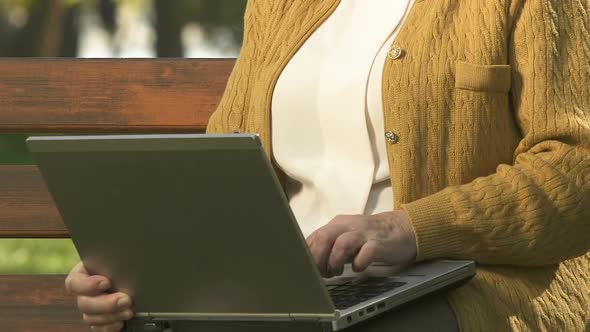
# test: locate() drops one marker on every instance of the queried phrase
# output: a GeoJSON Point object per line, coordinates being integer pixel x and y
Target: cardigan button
{"type": "Point", "coordinates": [391, 137]}
{"type": "Point", "coordinates": [395, 52]}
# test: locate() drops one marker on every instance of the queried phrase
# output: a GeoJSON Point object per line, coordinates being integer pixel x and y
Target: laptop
{"type": "Point", "coordinates": [197, 227]}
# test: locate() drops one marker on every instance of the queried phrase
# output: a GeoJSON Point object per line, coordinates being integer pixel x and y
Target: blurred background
{"type": "Point", "coordinates": [103, 29]}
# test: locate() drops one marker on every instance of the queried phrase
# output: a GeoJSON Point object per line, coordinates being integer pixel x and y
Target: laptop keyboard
{"type": "Point", "coordinates": [354, 292]}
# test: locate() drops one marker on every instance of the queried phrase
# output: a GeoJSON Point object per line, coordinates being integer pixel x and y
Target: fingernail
{"type": "Point", "coordinates": [128, 314]}
{"type": "Point", "coordinates": [103, 285]}
{"type": "Point", "coordinates": [123, 302]}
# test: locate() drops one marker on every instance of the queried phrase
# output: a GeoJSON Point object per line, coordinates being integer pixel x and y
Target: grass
{"type": "Point", "coordinates": [33, 256]}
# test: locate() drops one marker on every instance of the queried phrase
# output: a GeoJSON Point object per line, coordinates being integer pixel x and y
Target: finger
{"type": "Point", "coordinates": [344, 222]}
{"type": "Point", "coordinates": [79, 282]}
{"type": "Point", "coordinates": [322, 243]}
{"type": "Point", "coordinates": [365, 256]}
{"type": "Point", "coordinates": [309, 239]}
{"type": "Point", "coordinates": [108, 318]}
{"type": "Point", "coordinates": [344, 250]}
{"type": "Point", "coordinates": [104, 304]}
{"type": "Point", "coordinates": [114, 327]}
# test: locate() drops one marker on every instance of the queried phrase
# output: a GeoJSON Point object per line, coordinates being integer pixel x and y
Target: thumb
{"type": "Point", "coordinates": [80, 282]}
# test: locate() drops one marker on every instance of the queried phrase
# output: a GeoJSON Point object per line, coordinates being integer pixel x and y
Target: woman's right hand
{"type": "Point", "coordinates": [104, 312]}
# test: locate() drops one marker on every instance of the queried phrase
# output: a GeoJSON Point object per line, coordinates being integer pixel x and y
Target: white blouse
{"type": "Point", "coordinates": [327, 115]}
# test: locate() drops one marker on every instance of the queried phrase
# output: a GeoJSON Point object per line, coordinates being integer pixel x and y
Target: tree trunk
{"type": "Point", "coordinates": [169, 24]}
{"type": "Point", "coordinates": [52, 37]}
{"type": "Point", "coordinates": [27, 42]}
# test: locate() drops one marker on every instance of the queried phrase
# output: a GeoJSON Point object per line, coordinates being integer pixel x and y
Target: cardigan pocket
{"type": "Point", "coordinates": [487, 78]}
{"type": "Point", "coordinates": [481, 114]}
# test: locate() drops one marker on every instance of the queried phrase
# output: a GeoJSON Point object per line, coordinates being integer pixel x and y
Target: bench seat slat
{"type": "Point", "coordinates": [37, 303]}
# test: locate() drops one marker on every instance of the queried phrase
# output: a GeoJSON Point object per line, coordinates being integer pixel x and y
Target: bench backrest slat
{"type": "Point", "coordinates": [26, 207]}
{"type": "Point", "coordinates": [90, 95]}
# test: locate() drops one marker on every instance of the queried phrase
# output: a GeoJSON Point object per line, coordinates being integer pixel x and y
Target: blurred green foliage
{"type": "Point", "coordinates": [210, 14]}
{"type": "Point", "coordinates": [36, 256]}
{"type": "Point", "coordinates": [13, 150]}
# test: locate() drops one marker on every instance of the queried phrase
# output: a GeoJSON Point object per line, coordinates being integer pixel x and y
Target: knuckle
{"type": "Point", "coordinates": [68, 284]}
{"type": "Point", "coordinates": [320, 236]}
{"type": "Point", "coordinates": [370, 250]}
{"type": "Point", "coordinates": [372, 245]}
{"type": "Point", "coordinates": [339, 254]}
{"type": "Point", "coordinates": [341, 245]}
{"type": "Point", "coordinates": [75, 268]}
{"type": "Point", "coordinates": [348, 241]}
{"type": "Point", "coordinates": [111, 304]}
{"type": "Point", "coordinates": [338, 219]}
{"type": "Point", "coordinates": [81, 301]}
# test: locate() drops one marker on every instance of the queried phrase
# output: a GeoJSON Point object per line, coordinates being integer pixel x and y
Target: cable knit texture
{"type": "Point", "coordinates": [491, 101]}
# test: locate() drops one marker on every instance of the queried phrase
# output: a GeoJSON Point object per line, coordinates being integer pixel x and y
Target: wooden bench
{"type": "Point", "coordinates": [84, 96]}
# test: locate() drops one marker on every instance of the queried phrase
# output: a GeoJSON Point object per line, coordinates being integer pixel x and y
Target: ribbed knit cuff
{"type": "Point", "coordinates": [434, 220]}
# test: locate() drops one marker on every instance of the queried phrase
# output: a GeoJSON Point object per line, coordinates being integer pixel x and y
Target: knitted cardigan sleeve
{"type": "Point", "coordinates": [537, 210]}
{"type": "Point", "coordinates": [227, 118]}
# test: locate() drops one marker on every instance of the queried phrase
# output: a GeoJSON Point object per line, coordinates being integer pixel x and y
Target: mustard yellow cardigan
{"type": "Point", "coordinates": [490, 100]}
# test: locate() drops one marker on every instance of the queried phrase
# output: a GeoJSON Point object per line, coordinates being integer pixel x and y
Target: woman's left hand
{"type": "Point", "coordinates": [385, 237]}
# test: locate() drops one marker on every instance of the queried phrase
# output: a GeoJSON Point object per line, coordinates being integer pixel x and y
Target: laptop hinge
{"type": "Point", "coordinates": [157, 326]}
{"type": "Point", "coordinates": [311, 317]}
{"type": "Point", "coordinates": [152, 325]}
{"type": "Point", "coordinates": [303, 317]}
{"type": "Point", "coordinates": [171, 316]}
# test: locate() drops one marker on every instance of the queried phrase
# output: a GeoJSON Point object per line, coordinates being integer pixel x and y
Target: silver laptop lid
{"type": "Point", "coordinates": [190, 225]}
